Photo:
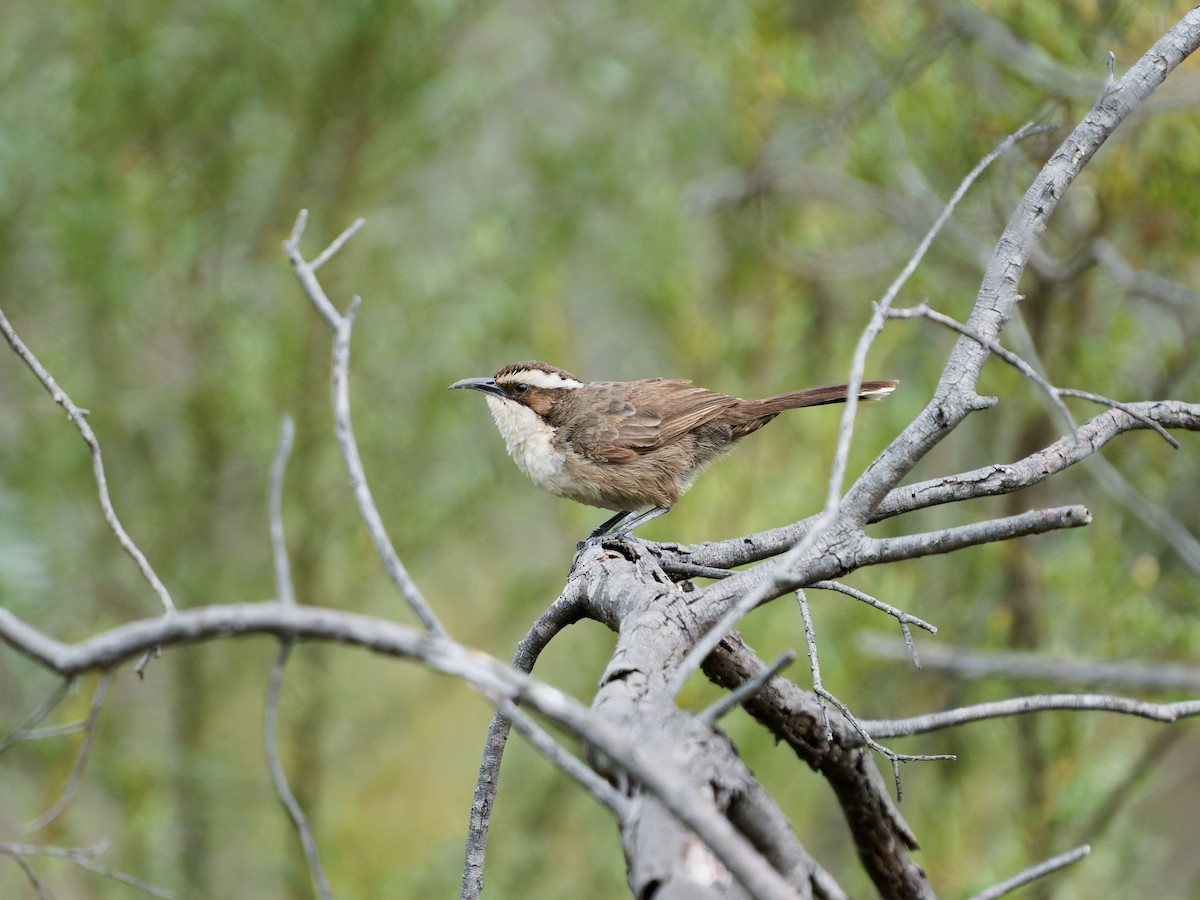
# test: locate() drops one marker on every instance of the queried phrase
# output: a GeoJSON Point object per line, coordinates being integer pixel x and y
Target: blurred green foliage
{"type": "Point", "coordinates": [715, 191]}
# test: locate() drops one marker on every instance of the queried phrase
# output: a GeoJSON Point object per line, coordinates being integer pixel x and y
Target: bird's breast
{"type": "Point", "coordinates": [530, 443]}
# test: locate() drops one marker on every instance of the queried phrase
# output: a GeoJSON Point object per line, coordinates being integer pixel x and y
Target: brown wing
{"type": "Point", "coordinates": [644, 415]}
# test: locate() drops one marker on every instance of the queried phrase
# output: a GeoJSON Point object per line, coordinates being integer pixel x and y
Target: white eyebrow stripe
{"type": "Point", "coordinates": [539, 379]}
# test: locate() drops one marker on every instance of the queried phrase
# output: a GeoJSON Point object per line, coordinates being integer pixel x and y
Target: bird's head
{"type": "Point", "coordinates": [529, 383]}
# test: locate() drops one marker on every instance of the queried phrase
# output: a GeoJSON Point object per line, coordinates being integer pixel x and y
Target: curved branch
{"type": "Point", "coordinates": [342, 326]}
{"type": "Point", "coordinates": [482, 672]}
{"type": "Point", "coordinates": [955, 396]}
{"type": "Point", "coordinates": [566, 610]}
{"type": "Point", "coordinates": [78, 418]}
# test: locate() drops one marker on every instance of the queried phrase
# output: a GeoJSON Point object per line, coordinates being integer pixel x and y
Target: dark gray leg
{"type": "Point", "coordinates": [606, 526]}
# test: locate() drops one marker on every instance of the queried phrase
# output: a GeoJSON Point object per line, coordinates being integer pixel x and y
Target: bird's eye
{"type": "Point", "coordinates": [520, 387]}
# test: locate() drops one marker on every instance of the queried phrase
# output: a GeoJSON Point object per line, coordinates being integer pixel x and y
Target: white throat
{"type": "Point", "coordinates": [528, 439]}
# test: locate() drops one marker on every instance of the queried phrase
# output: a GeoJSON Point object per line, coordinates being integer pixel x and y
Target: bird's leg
{"type": "Point", "coordinates": [606, 526]}
{"type": "Point", "coordinates": [637, 521]}
{"type": "Point", "coordinates": [611, 530]}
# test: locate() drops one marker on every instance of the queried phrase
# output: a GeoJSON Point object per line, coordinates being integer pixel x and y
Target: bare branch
{"type": "Point", "coordinates": [287, 596]}
{"type": "Point", "coordinates": [860, 506]}
{"type": "Point", "coordinates": [756, 815]}
{"type": "Point", "coordinates": [793, 716]}
{"type": "Point", "coordinates": [84, 857]}
{"type": "Point", "coordinates": [900, 615]}
{"type": "Point", "coordinates": [290, 804]}
{"type": "Point", "coordinates": [970, 663]}
{"type": "Point", "coordinates": [78, 418]}
{"type": "Point", "coordinates": [342, 327]}
{"type": "Point", "coordinates": [955, 396]}
{"type": "Point", "coordinates": [1007, 478]}
{"type": "Point", "coordinates": [564, 761]}
{"type": "Point", "coordinates": [896, 758]}
{"type": "Point", "coordinates": [567, 609]}
{"type": "Point", "coordinates": [1158, 712]}
{"type": "Point", "coordinates": [736, 599]}
{"type": "Point", "coordinates": [911, 546]}
{"type": "Point", "coordinates": [358, 477]}
{"type": "Point", "coordinates": [25, 732]}
{"type": "Point", "coordinates": [814, 665]}
{"type": "Point", "coordinates": [279, 555]}
{"type": "Point", "coordinates": [1054, 394]}
{"type": "Point", "coordinates": [30, 872]}
{"type": "Point", "coordinates": [306, 272]}
{"type": "Point", "coordinates": [746, 690]}
{"type": "Point", "coordinates": [487, 675]}
{"type": "Point", "coordinates": [1041, 869]}
{"type": "Point", "coordinates": [710, 560]}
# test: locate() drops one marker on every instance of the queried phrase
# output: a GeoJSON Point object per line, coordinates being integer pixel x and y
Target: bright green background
{"type": "Point", "coordinates": [715, 191]}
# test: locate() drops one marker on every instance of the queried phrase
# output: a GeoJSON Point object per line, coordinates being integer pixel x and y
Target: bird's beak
{"type": "Point", "coordinates": [487, 385]}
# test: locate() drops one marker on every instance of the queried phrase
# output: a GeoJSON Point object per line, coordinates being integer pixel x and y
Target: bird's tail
{"type": "Point", "coordinates": [817, 396]}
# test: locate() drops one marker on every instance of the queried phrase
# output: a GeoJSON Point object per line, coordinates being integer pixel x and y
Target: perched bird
{"type": "Point", "coordinates": [627, 445]}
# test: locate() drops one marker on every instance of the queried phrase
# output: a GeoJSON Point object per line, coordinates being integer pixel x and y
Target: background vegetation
{"type": "Point", "coordinates": [715, 191]}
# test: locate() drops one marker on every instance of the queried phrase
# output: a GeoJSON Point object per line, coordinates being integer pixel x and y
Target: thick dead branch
{"type": "Point", "coordinates": [795, 717]}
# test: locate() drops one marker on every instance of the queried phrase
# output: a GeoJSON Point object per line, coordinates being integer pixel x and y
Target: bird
{"type": "Point", "coordinates": [627, 446]}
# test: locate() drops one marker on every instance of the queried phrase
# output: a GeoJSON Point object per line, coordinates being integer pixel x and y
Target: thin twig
{"type": "Point", "coordinates": [558, 756]}
{"type": "Point", "coordinates": [1154, 516]}
{"type": "Point", "coordinates": [336, 244]}
{"type": "Point", "coordinates": [883, 305]}
{"type": "Point", "coordinates": [23, 733]}
{"type": "Point", "coordinates": [342, 325]}
{"type": "Point", "coordinates": [900, 615]}
{"type": "Point", "coordinates": [30, 873]}
{"type": "Point", "coordinates": [1016, 706]}
{"type": "Point", "coordinates": [93, 720]}
{"type": "Point", "coordinates": [286, 797]}
{"type": "Point", "coordinates": [82, 857]}
{"type": "Point", "coordinates": [746, 689]}
{"type": "Point", "coordinates": [78, 418]}
{"type": "Point", "coordinates": [1053, 393]}
{"type": "Point", "coordinates": [865, 733]}
{"type": "Point", "coordinates": [287, 596]}
{"type": "Point", "coordinates": [877, 551]}
{"type": "Point", "coordinates": [279, 554]}
{"type": "Point", "coordinates": [567, 609]}
{"type": "Point", "coordinates": [817, 525]}
{"type": "Point", "coordinates": [1035, 872]}
{"type": "Point", "coordinates": [814, 664]}
{"type": "Point", "coordinates": [305, 272]}
{"type": "Point", "coordinates": [358, 478]}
